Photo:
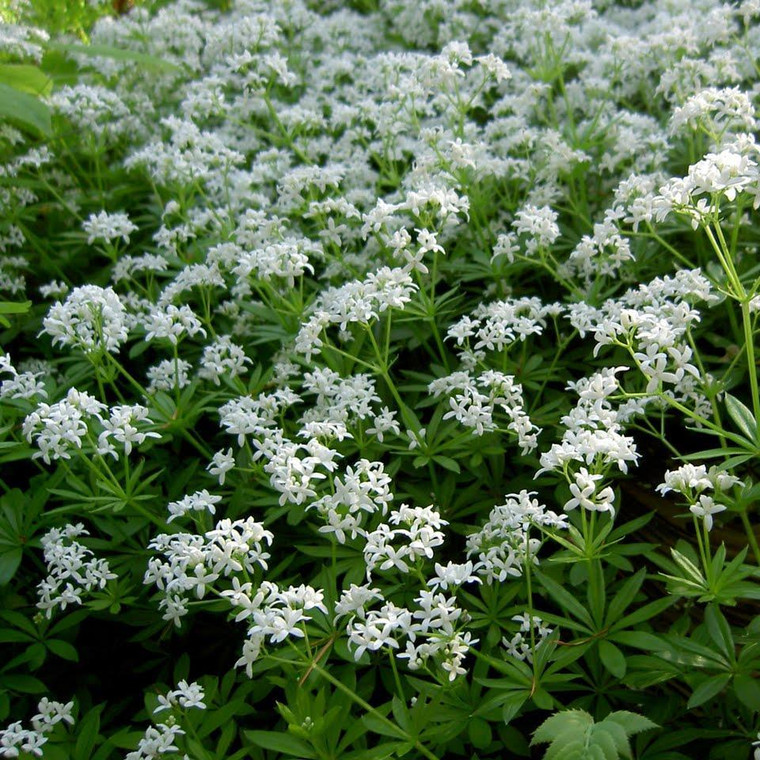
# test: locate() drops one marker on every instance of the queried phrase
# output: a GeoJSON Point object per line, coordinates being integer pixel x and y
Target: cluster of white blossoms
{"type": "Point", "coordinates": [593, 438]}
{"type": "Point", "coordinates": [160, 740]}
{"type": "Point", "coordinates": [172, 323]}
{"type": "Point", "coordinates": [15, 739]}
{"type": "Point", "coordinates": [503, 546]}
{"type": "Point", "coordinates": [92, 319]}
{"type": "Point", "coordinates": [62, 428]}
{"type": "Point", "coordinates": [528, 638]}
{"type": "Point", "coordinates": [722, 175]}
{"type": "Point", "coordinates": [192, 563]}
{"type": "Point", "coordinates": [697, 484]}
{"type": "Point", "coordinates": [358, 493]}
{"type": "Point", "coordinates": [474, 401]}
{"type": "Point", "coordinates": [108, 227]}
{"type": "Point", "coordinates": [358, 302]}
{"type": "Point", "coordinates": [322, 206]}
{"type": "Point", "coordinates": [416, 538]}
{"type": "Point", "coordinates": [653, 322]}
{"type": "Point", "coordinates": [72, 568]}
{"type": "Point", "coordinates": [429, 633]}
{"type": "Point", "coordinates": [21, 385]}
{"type": "Point", "coordinates": [223, 358]}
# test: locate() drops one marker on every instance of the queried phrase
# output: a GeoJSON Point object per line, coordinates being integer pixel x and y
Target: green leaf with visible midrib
{"type": "Point", "coordinates": [26, 110]}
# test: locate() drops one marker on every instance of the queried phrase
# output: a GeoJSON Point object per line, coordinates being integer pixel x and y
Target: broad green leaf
{"type": "Point", "coordinates": [708, 689]}
{"type": "Point", "coordinates": [480, 733]}
{"type": "Point", "coordinates": [63, 649]}
{"type": "Point", "coordinates": [572, 721]}
{"type": "Point", "coordinates": [22, 683]}
{"type": "Point", "coordinates": [612, 658]}
{"type": "Point", "coordinates": [566, 600]}
{"type": "Point", "coordinates": [25, 110]}
{"type": "Point", "coordinates": [25, 78]}
{"type": "Point", "coordinates": [9, 562]}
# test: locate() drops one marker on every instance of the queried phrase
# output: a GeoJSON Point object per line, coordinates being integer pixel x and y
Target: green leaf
{"type": "Point", "coordinates": [747, 689]}
{"type": "Point", "coordinates": [447, 463]}
{"type": "Point", "coordinates": [88, 734]}
{"type": "Point", "coordinates": [15, 307]}
{"type": "Point", "coordinates": [647, 612]}
{"type": "Point", "coordinates": [622, 600]}
{"type": "Point", "coordinates": [630, 722]}
{"type": "Point", "coordinates": [566, 600]}
{"type": "Point", "coordinates": [565, 722]}
{"type": "Point", "coordinates": [612, 658]}
{"type": "Point", "coordinates": [708, 689]}
{"type": "Point", "coordinates": [281, 742]}
{"type": "Point", "coordinates": [742, 417]}
{"type": "Point", "coordinates": [23, 683]}
{"type": "Point", "coordinates": [63, 649]}
{"type": "Point", "coordinates": [512, 706]}
{"type": "Point", "coordinates": [25, 78]}
{"type": "Point", "coordinates": [118, 54]}
{"type": "Point", "coordinates": [9, 562]}
{"type": "Point", "coordinates": [27, 111]}
{"type": "Point", "coordinates": [720, 631]}
{"type": "Point", "coordinates": [480, 733]}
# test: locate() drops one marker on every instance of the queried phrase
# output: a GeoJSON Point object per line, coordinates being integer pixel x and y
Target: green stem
{"type": "Point", "coordinates": [751, 537]}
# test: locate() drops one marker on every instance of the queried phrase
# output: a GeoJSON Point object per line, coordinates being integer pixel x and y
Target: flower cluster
{"type": "Point", "coordinates": [72, 568]}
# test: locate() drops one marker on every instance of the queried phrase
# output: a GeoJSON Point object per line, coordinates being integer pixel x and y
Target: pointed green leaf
{"type": "Point", "coordinates": [742, 417]}
{"type": "Point", "coordinates": [720, 631]}
{"type": "Point", "coordinates": [612, 658]}
{"type": "Point", "coordinates": [708, 689]}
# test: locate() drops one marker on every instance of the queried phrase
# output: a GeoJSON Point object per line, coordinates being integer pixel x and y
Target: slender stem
{"type": "Point", "coordinates": [751, 537]}
{"type": "Point", "coordinates": [749, 344]}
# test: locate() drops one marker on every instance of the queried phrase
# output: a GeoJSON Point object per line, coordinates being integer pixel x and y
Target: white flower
{"type": "Point", "coordinates": [198, 501]}
{"type": "Point", "coordinates": [108, 227]}
{"type": "Point", "coordinates": [92, 318]}
{"type": "Point", "coordinates": [706, 508]}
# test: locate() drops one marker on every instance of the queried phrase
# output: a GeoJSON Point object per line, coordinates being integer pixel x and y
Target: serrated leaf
{"type": "Point", "coordinates": [603, 739]}
{"type": "Point", "coordinates": [631, 722]}
{"type": "Point", "coordinates": [560, 723]}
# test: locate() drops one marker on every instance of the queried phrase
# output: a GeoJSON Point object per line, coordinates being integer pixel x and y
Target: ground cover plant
{"type": "Point", "coordinates": [379, 380]}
